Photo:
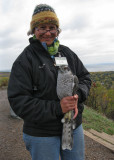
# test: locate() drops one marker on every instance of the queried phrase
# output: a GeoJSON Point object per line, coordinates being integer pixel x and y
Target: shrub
{"type": "Point", "coordinates": [4, 81]}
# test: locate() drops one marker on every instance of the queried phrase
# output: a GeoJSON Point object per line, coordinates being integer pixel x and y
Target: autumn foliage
{"type": "Point", "coordinates": [101, 97]}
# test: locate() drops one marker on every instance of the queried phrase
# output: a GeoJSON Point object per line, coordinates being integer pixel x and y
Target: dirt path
{"type": "Point", "coordinates": [13, 148]}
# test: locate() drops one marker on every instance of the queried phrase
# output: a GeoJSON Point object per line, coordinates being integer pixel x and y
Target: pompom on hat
{"type": "Point", "coordinates": [42, 14]}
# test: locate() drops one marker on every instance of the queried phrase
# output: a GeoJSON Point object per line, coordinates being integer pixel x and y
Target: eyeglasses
{"type": "Point", "coordinates": [43, 31]}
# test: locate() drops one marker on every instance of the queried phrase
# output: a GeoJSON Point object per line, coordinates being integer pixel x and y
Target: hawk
{"type": "Point", "coordinates": [67, 85]}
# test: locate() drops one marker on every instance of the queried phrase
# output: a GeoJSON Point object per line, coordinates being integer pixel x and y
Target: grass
{"type": "Point", "coordinates": [96, 121]}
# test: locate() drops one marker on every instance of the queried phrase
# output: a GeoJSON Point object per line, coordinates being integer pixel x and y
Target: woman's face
{"type": "Point", "coordinates": [46, 33]}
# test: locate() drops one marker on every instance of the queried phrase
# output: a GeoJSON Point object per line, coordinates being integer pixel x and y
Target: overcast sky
{"type": "Point", "coordinates": [87, 28]}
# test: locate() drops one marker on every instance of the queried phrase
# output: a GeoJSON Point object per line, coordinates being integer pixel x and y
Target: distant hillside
{"type": "Point", "coordinates": [105, 78]}
{"type": "Point", "coordinates": [4, 74]}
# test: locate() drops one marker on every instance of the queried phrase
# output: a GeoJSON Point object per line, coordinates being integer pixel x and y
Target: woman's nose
{"type": "Point", "coordinates": [48, 32]}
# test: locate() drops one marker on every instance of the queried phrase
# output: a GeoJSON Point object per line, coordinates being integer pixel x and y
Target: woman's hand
{"type": "Point", "coordinates": [69, 103]}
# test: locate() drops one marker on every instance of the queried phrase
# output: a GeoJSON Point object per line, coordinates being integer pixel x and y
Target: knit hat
{"type": "Point", "coordinates": [43, 13]}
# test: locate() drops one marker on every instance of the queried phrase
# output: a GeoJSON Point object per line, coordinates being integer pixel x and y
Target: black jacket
{"type": "Point", "coordinates": [32, 89]}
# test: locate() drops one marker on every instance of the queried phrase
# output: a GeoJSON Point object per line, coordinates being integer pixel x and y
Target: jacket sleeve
{"type": "Point", "coordinates": [20, 95]}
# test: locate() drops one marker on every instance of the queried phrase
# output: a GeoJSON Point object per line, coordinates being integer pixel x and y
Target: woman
{"type": "Point", "coordinates": [32, 90]}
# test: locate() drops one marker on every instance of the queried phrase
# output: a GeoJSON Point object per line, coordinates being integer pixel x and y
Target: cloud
{"type": "Point", "coordinates": [87, 28]}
